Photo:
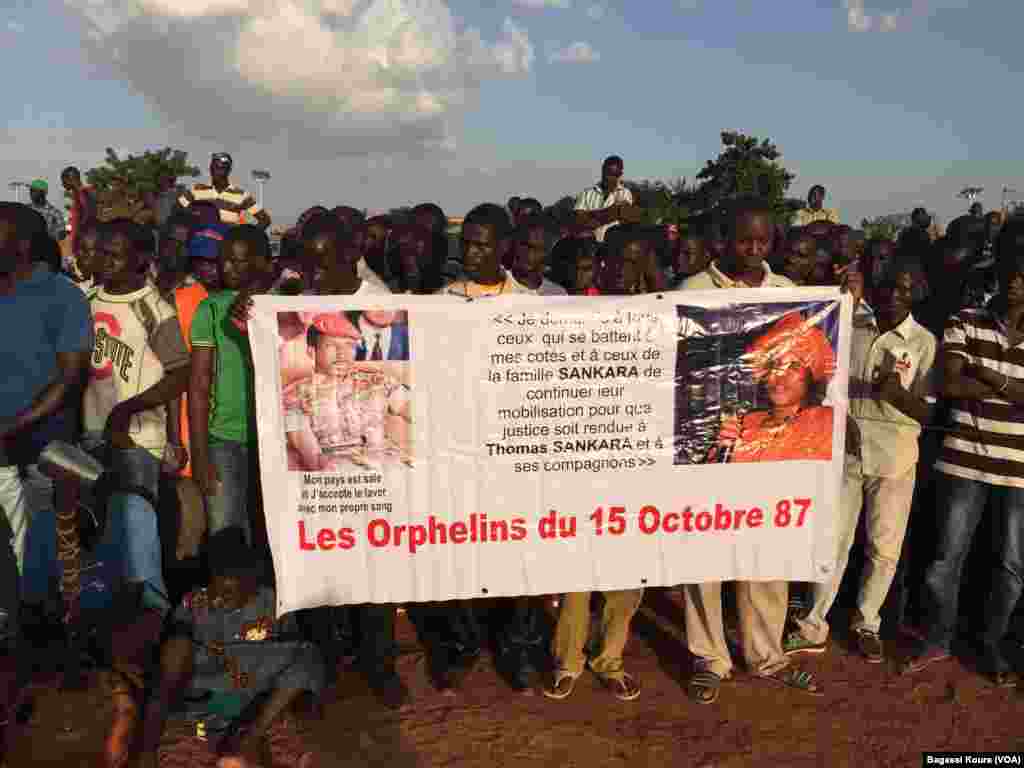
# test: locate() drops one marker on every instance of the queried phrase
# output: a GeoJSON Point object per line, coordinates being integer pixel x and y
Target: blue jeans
{"type": "Point", "coordinates": [1008, 573]}
{"type": "Point", "coordinates": [129, 550]}
{"type": "Point", "coordinates": [235, 464]}
{"type": "Point", "coordinates": [961, 505]}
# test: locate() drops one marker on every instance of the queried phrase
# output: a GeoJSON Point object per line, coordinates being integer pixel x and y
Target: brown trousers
{"type": "Point", "coordinates": [762, 620]}
{"type": "Point", "coordinates": [574, 628]}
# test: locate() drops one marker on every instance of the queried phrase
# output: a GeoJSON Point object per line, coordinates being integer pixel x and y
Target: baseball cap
{"type": "Point", "coordinates": [205, 242]}
{"type": "Point", "coordinates": [39, 185]}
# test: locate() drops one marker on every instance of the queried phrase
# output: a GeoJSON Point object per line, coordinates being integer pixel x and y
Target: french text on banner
{"type": "Point", "coordinates": [532, 447]}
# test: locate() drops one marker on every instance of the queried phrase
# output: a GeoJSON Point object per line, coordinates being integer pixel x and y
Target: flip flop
{"type": "Point", "coordinates": [1005, 679]}
{"type": "Point", "coordinates": [703, 687]}
{"type": "Point", "coordinates": [799, 679]}
{"type": "Point", "coordinates": [624, 688]}
{"type": "Point", "coordinates": [562, 686]}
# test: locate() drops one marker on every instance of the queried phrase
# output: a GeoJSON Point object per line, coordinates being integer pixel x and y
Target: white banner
{"type": "Point", "coordinates": [427, 448]}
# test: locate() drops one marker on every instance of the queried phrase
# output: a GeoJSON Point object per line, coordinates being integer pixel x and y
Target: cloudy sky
{"type": "Point", "coordinates": [377, 103]}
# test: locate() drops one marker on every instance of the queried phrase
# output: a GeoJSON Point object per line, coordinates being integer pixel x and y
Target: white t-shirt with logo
{"type": "Point", "coordinates": [138, 341]}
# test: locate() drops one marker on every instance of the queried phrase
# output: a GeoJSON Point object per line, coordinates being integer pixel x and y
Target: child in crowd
{"type": "Point", "coordinates": [231, 675]}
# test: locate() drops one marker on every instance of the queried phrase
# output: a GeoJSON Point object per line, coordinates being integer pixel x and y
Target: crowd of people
{"type": "Point", "coordinates": [134, 349]}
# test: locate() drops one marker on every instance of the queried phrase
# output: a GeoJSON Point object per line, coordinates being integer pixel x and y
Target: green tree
{"type": "Point", "coordinates": [884, 227]}
{"type": "Point", "coordinates": [141, 174]}
{"type": "Point", "coordinates": [663, 202]}
{"type": "Point", "coordinates": [745, 166]}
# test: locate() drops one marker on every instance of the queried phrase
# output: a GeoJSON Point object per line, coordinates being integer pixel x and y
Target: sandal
{"type": "Point", "coordinates": [922, 659]}
{"type": "Point", "coordinates": [624, 688]}
{"type": "Point", "coordinates": [562, 685]}
{"type": "Point", "coordinates": [1004, 679]}
{"type": "Point", "coordinates": [799, 679]}
{"type": "Point", "coordinates": [704, 686]}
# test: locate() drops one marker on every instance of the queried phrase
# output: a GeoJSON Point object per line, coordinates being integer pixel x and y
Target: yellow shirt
{"type": "Point", "coordinates": [470, 290]}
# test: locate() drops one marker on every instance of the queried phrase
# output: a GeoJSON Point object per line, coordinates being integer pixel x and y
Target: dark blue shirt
{"type": "Point", "coordinates": [47, 314]}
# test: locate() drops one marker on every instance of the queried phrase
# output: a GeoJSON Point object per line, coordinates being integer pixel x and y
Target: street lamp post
{"type": "Point", "coordinates": [261, 177]}
{"type": "Point", "coordinates": [970, 194]}
{"type": "Point", "coordinates": [16, 187]}
{"type": "Point", "coordinates": [1007, 191]}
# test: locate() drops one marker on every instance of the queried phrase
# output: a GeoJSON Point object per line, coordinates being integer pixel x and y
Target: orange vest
{"type": "Point", "coordinates": [187, 301]}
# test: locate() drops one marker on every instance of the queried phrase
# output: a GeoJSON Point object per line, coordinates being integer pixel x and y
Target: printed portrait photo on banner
{"type": "Point", "coordinates": [752, 382]}
{"type": "Point", "coordinates": [346, 391]}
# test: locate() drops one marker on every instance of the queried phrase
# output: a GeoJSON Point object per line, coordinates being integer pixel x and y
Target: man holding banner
{"type": "Point", "coordinates": [621, 275]}
{"type": "Point", "coordinates": [486, 237]}
{"type": "Point", "coordinates": [762, 605]}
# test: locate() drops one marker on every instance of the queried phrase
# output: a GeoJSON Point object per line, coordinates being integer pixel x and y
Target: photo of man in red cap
{"type": "Point", "coordinates": [346, 414]}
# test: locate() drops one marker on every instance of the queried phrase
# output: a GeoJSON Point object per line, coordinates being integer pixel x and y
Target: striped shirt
{"type": "Point", "coordinates": [595, 199]}
{"type": "Point", "coordinates": [806, 216]}
{"type": "Point", "coordinates": [55, 226]}
{"type": "Point", "coordinates": [234, 204]}
{"type": "Point", "coordinates": [986, 441]}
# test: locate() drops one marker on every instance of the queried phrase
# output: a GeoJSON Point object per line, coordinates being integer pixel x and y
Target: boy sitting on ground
{"type": "Point", "coordinates": [238, 671]}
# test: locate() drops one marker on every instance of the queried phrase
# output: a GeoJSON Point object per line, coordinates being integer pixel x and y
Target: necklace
{"type": "Point", "coordinates": [776, 429]}
{"type": "Point", "coordinates": [485, 292]}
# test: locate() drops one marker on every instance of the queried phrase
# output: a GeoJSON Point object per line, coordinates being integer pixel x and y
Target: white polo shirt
{"type": "Point", "coordinates": [713, 277]}
{"type": "Point", "coordinates": [595, 199]}
{"type": "Point", "coordinates": [888, 445]}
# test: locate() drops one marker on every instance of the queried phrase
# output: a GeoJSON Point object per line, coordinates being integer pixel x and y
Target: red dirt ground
{"type": "Point", "coordinates": [869, 716]}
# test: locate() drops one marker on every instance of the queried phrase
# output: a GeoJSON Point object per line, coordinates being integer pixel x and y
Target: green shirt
{"type": "Point", "coordinates": [232, 403]}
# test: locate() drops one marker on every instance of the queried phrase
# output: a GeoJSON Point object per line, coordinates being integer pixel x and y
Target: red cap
{"type": "Point", "coordinates": [337, 325]}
